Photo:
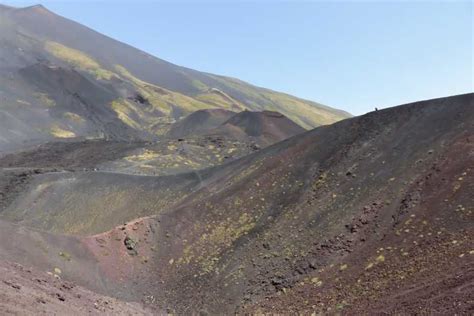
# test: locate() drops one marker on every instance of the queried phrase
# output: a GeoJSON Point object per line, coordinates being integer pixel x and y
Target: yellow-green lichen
{"type": "Point", "coordinates": [79, 59]}
{"type": "Point", "coordinates": [124, 110]}
{"type": "Point", "coordinates": [160, 98]}
{"type": "Point", "coordinates": [205, 251]}
{"type": "Point", "coordinates": [45, 99]}
{"type": "Point", "coordinates": [60, 132]}
{"type": "Point", "coordinates": [74, 117]}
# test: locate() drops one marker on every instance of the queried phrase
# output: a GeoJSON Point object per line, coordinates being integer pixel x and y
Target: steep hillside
{"type": "Point", "coordinates": [369, 215]}
{"type": "Point", "coordinates": [59, 79]}
{"type": "Point", "coordinates": [360, 199]}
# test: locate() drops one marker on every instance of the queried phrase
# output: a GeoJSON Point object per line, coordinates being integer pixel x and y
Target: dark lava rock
{"type": "Point", "coordinates": [130, 244]}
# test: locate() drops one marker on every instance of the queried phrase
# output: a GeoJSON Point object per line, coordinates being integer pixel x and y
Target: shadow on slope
{"type": "Point", "coordinates": [318, 222]}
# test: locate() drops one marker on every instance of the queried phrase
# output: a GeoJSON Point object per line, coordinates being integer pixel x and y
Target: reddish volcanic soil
{"type": "Point", "coordinates": [119, 195]}
{"type": "Point", "coordinates": [422, 263]}
{"type": "Point", "coordinates": [371, 215]}
{"type": "Point", "coordinates": [27, 291]}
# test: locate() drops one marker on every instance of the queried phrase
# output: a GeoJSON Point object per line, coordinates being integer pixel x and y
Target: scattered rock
{"type": "Point", "coordinates": [131, 245]}
{"type": "Point", "coordinates": [60, 297]}
{"type": "Point", "coordinates": [13, 285]}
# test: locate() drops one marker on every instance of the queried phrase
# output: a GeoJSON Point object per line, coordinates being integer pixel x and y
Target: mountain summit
{"type": "Point", "coordinates": [60, 79]}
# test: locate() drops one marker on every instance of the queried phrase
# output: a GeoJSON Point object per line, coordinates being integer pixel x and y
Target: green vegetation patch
{"type": "Point", "coordinates": [45, 99]}
{"type": "Point", "coordinates": [74, 117]}
{"type": "Point", "coordinates": [79, 59]}
{"type": "Point", "coordinates": [124, 110]}
{"type": "Point", "coordinates": [60, 132]}
{"type": "Point", "coordinates": [66, 256]}
{"type": "Point", "coordinates": [162, 99]}
{"type": "Point", "coordinates": [205, 251]}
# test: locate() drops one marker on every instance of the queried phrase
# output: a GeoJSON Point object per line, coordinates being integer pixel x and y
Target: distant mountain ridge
{"type": "Point", "coordinates": [200, 122]}
{"type": "Point", "coordinates": [265, 127]}
{"type": "Point", "coordinates": [135, 95]}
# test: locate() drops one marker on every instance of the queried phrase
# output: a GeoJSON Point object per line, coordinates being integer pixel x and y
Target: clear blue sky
{"type": "Point", "coordinates": [351, 55]}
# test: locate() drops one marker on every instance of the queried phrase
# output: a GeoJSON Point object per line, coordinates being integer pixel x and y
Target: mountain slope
{"type": "Point", "coordinates": [199, 122]}
{"type": "Point", "coordinates": [372, 215]}
{"type": "Point", "coordinates": [265, 127]}
{"type": "Point", "coordinates": [327, 201]}
{"type": "Point", "coordinates": [27, 291]}
{"type": "Point", "coordinates": [134, 94]}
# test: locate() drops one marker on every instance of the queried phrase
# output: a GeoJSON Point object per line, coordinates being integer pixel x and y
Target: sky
{"type": "Point", "coordinates": [351, 55]}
